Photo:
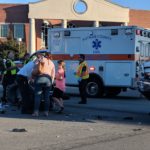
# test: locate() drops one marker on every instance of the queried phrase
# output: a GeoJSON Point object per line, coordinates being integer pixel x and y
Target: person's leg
{"type": "Point", "coordinates": [61, 105]}
{"type": "Point", "coordinates": [11, 95]}
{"type": "Point", "coordinates": [47, 100]}
{"type": "Point", "coordinates": [84, 95]}
{"type": "Point", "coordinates": [37, 98]}
{"type": "Point", "coordinates": [3, 99]}
{"type": "Point", "coordinates": [57, 101]}
{"type": "Point", "coordinates": [4, 83]}
{"type": "Point", "coordinates": [61, 102]}
{"type": "Point", "coordinates": [42, 85]}
{"type": "Point", "coordinates": [80, 89]}
{"type": "Point", "coordinates": [24, 90]}
{"type": "Point", "coordinates": [82, 86]}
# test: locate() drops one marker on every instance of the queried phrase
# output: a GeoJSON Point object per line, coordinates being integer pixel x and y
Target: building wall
{"type": "Point", "coordinates": [140, 18]}
{"type": "Point", "coordinates": [12, 14]}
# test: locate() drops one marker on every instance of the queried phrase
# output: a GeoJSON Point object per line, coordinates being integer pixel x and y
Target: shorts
{"type": "Point", "coordinates": [57, 93]}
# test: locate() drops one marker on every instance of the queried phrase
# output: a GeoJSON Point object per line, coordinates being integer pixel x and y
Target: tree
{"type": "Point", "coordinates": [12, 45]}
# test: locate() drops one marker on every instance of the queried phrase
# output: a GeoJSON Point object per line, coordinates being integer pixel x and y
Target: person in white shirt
{"type": "Point", "coordinates": [26, 70]}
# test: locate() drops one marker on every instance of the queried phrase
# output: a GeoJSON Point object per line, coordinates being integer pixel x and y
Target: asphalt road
{"type": "Point", "coordinates": [120, 123]}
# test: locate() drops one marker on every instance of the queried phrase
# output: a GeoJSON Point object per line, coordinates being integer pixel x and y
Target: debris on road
{"type": "Point", "coordinates": [18, 130]}
{"type": "Point", "coordinates": [128, 118]}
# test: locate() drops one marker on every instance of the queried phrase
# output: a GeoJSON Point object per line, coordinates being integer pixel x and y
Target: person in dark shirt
{"type": "Point", "coordinates": [9, 74]}
{"type": "Point", "coordinates": [26, 58]}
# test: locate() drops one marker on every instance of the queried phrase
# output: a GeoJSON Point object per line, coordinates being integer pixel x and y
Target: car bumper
{"type": "Point", "coordinates": [144, 86]}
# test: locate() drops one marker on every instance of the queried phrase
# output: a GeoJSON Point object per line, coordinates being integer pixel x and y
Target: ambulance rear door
{"type": "Point", "coordinates": [118, 74]}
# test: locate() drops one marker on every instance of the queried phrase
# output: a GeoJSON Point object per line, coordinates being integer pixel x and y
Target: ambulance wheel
{"type": "Point", "coordinates": [112, 91]}
{"type": "Point", "coordinates": [147, 95]}
{"type": "Point", "coordinates": [94, 88]}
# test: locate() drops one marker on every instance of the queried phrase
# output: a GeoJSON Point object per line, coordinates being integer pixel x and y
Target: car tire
{"type": "Point", "coordinates": [94, 88]}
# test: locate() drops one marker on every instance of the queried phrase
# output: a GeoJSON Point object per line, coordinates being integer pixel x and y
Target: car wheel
{"type": "Point", "coordinates": [147, 95]}
{"type": "Point", "coordinates": [94, 88]}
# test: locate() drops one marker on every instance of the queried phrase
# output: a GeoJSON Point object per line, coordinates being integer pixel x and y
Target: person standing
{"type": "Point", "coordinates": [43, 83]}
{"type": "Point", "coordinates": [26, 58]}
{"type": "Point", "coordinates": [23, 77]}
{"type": "Point", "coordinates": [82, 74]}
{"type": "Point", "coordinates": [9, 74]}
{"type": "Point", "coordinates": [60, 85]}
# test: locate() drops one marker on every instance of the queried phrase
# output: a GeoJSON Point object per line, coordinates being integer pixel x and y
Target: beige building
{"type": "Point", "coordinates": [96, 11]}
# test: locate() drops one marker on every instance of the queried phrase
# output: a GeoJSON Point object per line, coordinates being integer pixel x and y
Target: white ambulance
{"type": "Point", "coordinates": [114, 56]}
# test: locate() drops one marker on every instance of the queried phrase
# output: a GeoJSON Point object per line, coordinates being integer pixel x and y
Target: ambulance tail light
{"type": "Point", "coordinates": [138, 32]}
{"type": "Point", "coordinates": [92, 68]}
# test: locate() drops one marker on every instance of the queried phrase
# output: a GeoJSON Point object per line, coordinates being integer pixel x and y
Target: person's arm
{"type": "Point", "coordinates": [9, 67]}
{"type": "Point", "coordinates": [60, 75]}
{"type": "Point", "coordinates": [53, 74]}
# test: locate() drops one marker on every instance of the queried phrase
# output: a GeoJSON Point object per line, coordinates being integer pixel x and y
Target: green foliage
{"type": "Point", "coordinates": [12, 45]}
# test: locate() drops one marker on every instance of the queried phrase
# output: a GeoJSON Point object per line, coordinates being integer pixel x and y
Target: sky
{"type": "Point", "coordinates": [132, 4]}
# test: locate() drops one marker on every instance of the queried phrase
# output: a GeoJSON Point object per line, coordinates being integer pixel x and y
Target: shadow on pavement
{"type": "Point", "coordinates": [82, 114]}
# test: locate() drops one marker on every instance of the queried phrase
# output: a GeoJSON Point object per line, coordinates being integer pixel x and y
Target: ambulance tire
{"type": "Point", "coordinates": [147, 95]}
{"type": "Point", "coordinates": [112, 91]}
{"type": "Point", "coordinates": [94, 88]}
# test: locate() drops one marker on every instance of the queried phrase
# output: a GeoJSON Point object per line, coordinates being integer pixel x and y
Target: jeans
{"type": "Point", "coordinates": [42, 89]}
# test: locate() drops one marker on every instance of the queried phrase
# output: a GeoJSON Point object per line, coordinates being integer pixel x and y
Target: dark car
{"type": "Point", "coordinates": [39, 51]}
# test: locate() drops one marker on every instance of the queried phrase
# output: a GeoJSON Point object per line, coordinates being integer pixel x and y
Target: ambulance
{"type": "Point", "coordinates": [114, 55]}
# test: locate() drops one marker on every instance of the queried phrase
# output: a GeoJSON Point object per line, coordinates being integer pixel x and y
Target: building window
{"type": "Point", "coordinates": [19, 31]}
{"type": "Point", "coordinates": [44, 34]}
{"type": "Point", "coordinates": [71, 25]}
{"type": "Point", "coordinates": [80, 6]}
{"type": "Point", "coordinates": [3, 30]}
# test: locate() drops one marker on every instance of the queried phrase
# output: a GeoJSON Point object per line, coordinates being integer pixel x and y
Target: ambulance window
{"type": "Point", "coordinates": [147, 50]}
{"type": "Point", "coordinates": [114, 32]}
{"type": "Point", "coordinates": [72, 45]}
{"type": "Point", "coordinates": [67, 33]}
{"type": "Point", "coordinates": [141, 49]}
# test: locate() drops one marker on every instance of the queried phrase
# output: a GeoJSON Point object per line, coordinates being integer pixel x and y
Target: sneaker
{"type": "Point", "coordinates": [81, 102]}
{"type": "Point", "coordinates": [46, 113]}
{"type": "Point", "coordinates": [35, 114]}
